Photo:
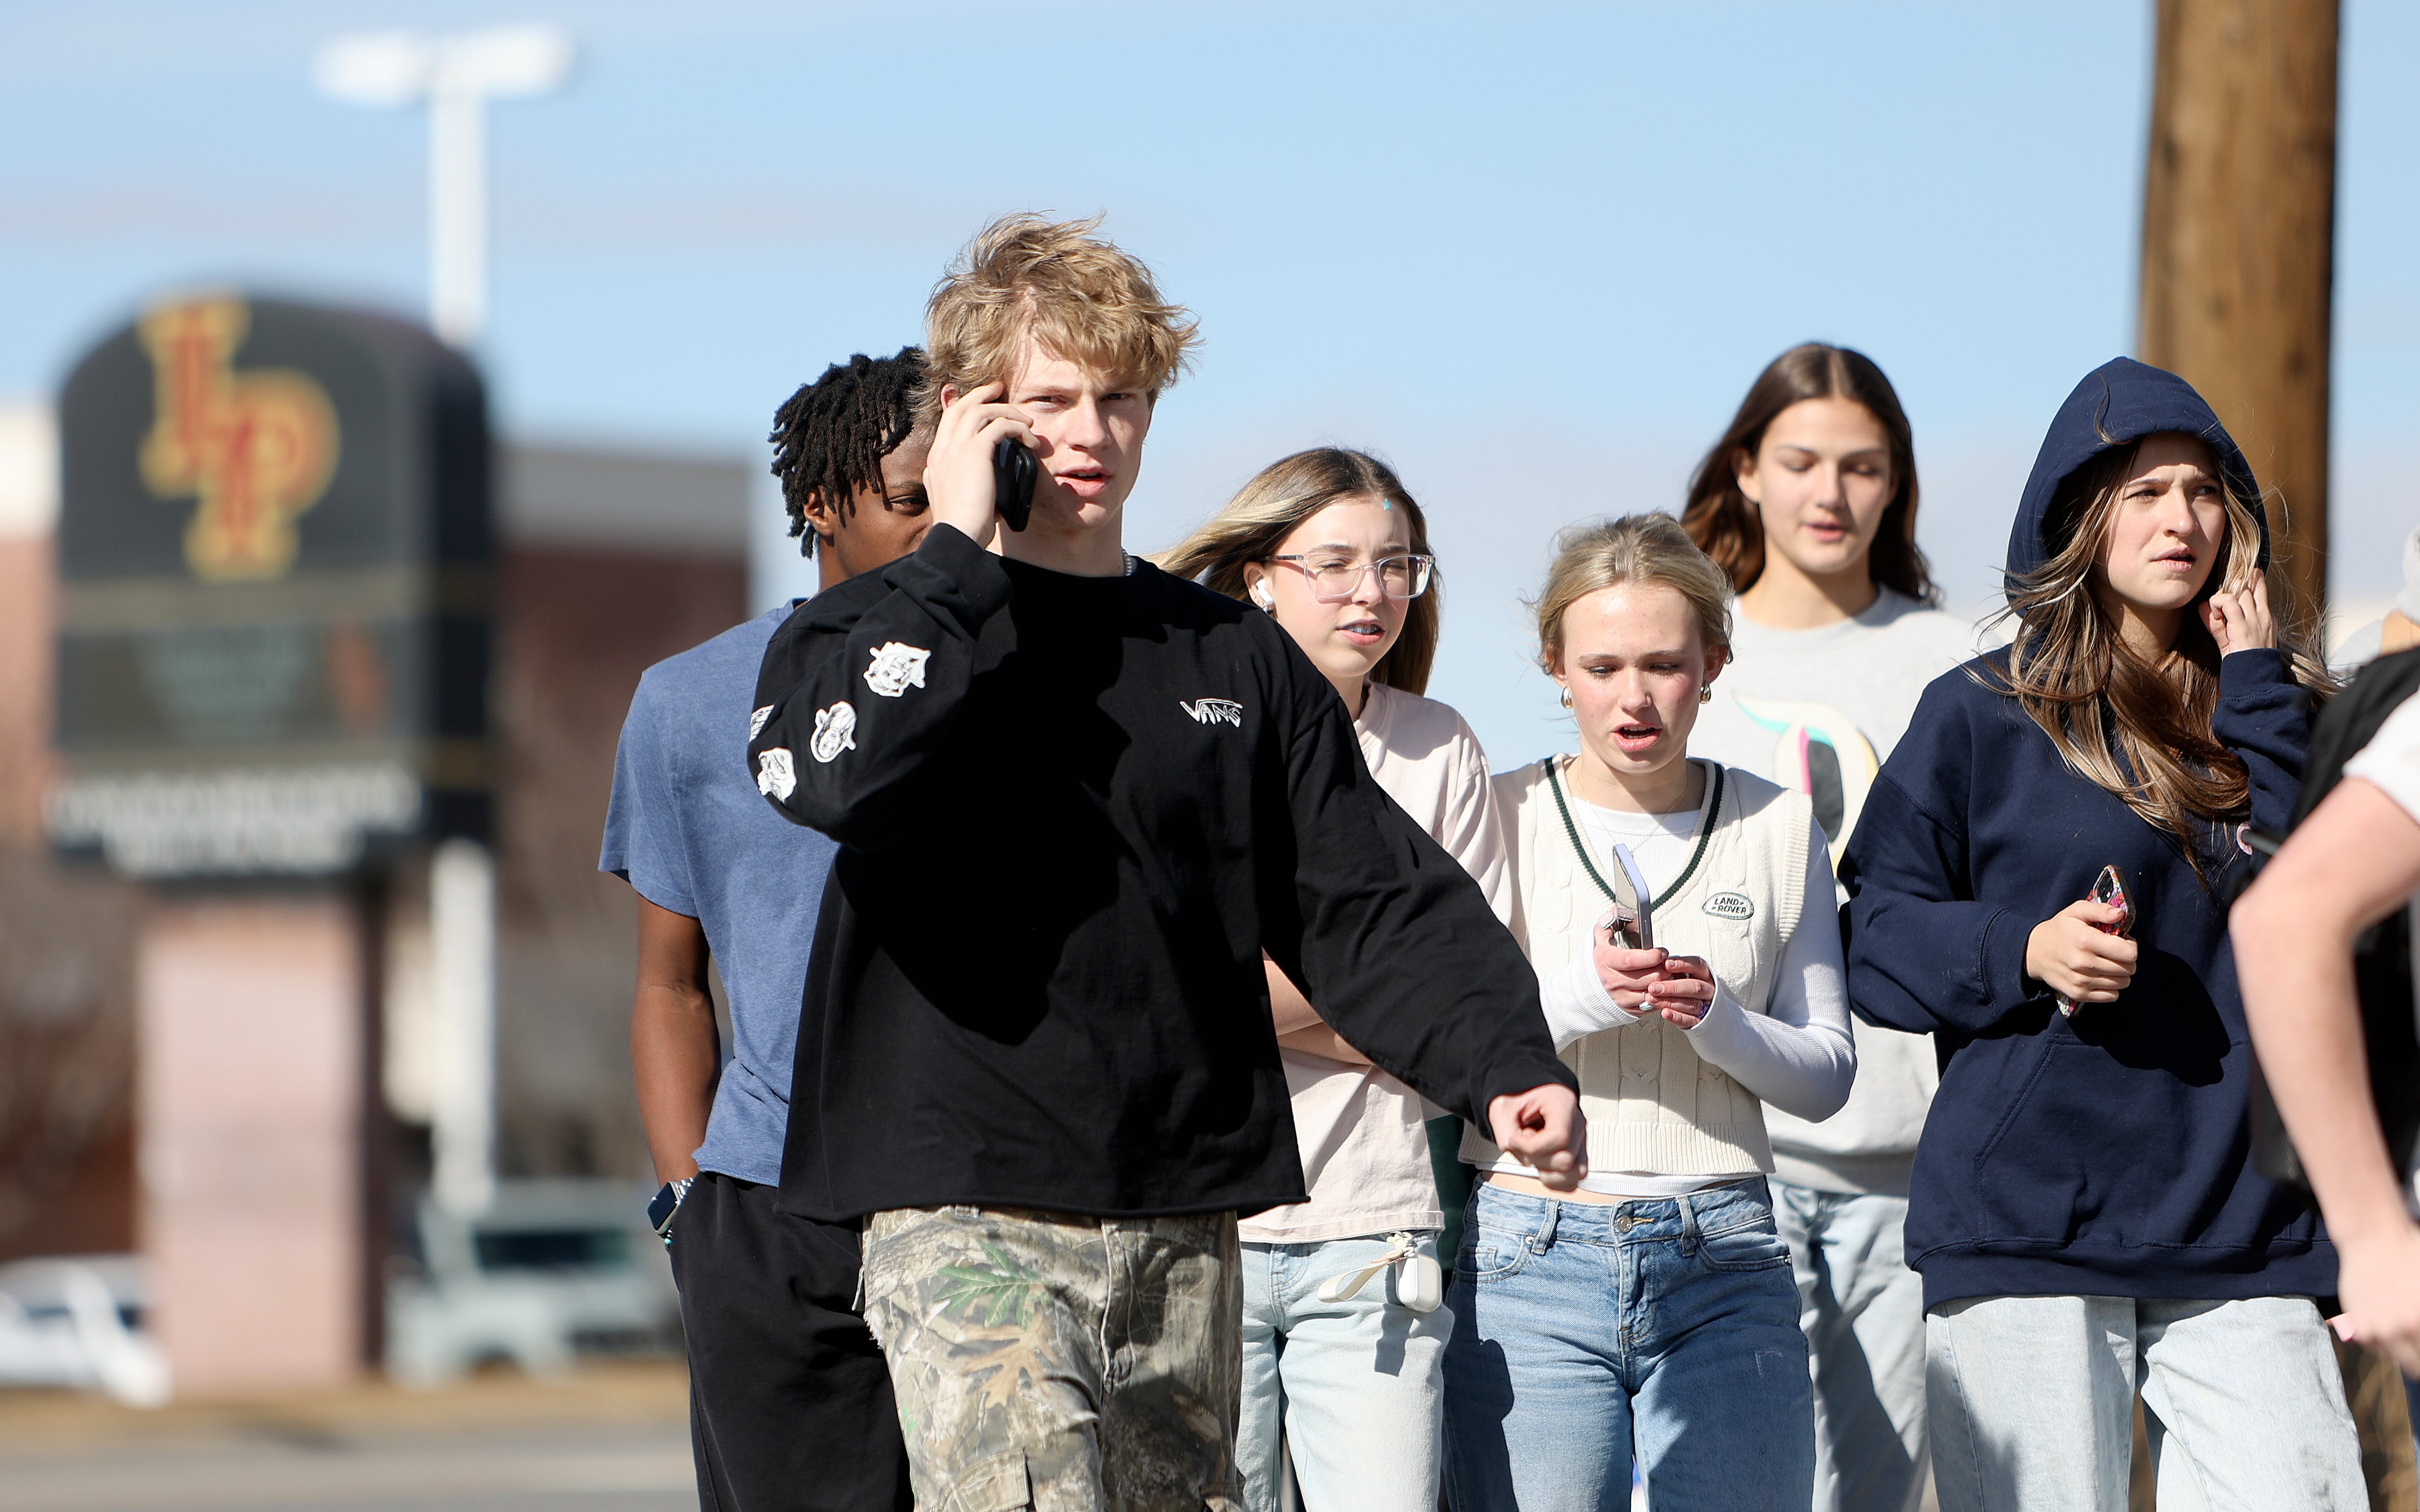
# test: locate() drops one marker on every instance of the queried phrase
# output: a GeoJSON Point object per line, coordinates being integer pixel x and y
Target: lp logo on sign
{"type": "Point", "coordinates": [1213, 711]}
{"type": "Point", "coordinates": [255, 448]}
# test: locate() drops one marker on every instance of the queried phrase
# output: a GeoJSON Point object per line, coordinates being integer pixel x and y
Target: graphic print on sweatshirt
{"type": "Point", "coordinates": [835, 731]}
{"type": "Point", "coordinates": [896, 667]}
{"type": "Point", "coordinates": [1821, 754]}
{"type": "Point", "coordinates": [1213, 711]}
{"type": "Point", "coordinates": [776, 777]}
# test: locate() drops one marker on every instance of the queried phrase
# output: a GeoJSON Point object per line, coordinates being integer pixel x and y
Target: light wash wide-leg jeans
{"type": "Point", "coordinates": [1863, 1311]}
{"type": "Point", "coordinates": [1356, 1385]}
{"type": "Point", "coordinates": [2032, 1401]}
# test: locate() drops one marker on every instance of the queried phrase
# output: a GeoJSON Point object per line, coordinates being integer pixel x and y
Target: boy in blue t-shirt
{"type": "Point", "coordinates": [790, 1402]}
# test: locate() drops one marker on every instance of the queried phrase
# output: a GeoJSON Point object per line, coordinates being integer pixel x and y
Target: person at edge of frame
{"type": "Point", "coordinates": [2337, 1034]}
{"type": "Point", "coordinates": [2398, 629]}
{"type": "Point", "coordinates": [1330, 545]}
{"type": "Point", "coordinates": [1076, 798]}
{"type": "Point", "coordinates": [790, 1406]}
{"type": "Point", "coordinates": [1809, 503]}
{"type": "Point", "coordinates": [2084, 1210]}
{"type": "Point", "coordinates": [1649, 1319]}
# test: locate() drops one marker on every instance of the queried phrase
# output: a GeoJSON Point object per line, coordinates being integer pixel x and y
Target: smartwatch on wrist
{"type": "Point", "coordinates": [666, 1203]}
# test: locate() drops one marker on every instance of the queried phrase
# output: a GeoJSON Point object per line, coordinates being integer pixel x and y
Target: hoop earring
{"type": "Point", "coordinates": [1567, 698]}
{"type": "Point", "coordinates": [1706, 694]}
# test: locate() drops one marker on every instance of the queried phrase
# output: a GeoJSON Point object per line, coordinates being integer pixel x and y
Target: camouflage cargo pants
{"type": "Point", "coordinates": [1063, 1364]}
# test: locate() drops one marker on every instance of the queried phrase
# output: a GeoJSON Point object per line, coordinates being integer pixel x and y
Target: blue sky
{"type": "Point", "coordinates": [1532, 257]}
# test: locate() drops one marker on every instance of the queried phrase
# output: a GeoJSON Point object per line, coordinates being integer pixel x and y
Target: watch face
{"type": "Point", "coordinates": [661, 1208]}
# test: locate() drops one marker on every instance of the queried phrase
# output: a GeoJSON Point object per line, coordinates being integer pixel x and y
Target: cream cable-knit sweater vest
{"type": "Point", "coordinates": [1651, 1104]}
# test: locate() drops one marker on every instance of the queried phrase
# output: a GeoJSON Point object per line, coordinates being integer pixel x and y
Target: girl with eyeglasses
{"type": "Point", "coordinates": [1650, 1314]}
{"type": "Point", "coordinates": [1344, 1333]}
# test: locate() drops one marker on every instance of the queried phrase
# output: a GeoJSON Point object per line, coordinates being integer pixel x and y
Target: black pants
{"type": "Point", "coordinates": [790, 1407]}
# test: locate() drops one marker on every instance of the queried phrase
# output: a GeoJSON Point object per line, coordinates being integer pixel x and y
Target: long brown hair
{"type": "Point", "coordinates": [2140, 729]}
{"type": "Point", "coordinates": [1281, 497]}
{"type": "Point", "coordinates": [1726, 525]}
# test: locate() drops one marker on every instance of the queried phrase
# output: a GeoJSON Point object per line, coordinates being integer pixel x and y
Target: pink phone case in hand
{"type": "Point", "coordinates": [2108, 888]}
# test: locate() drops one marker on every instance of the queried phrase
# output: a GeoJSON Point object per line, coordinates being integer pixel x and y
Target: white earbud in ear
{"type": "Point", "coordinates": [1261, 596]}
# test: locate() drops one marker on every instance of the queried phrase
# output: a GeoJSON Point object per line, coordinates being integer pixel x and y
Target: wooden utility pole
{"type": "Point", "coordinates": [2239, 242]}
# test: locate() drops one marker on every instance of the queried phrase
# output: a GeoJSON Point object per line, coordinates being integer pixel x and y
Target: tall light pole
{"type": "Point", "coordinates": [456, 76]}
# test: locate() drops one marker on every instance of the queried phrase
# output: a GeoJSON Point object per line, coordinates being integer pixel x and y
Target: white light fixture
{"type": "Point", "coordinates": [457, 76]}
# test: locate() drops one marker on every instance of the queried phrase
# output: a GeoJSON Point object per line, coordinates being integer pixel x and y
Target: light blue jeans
{"type": "Point", "coordinates": [1583, 1329]}
{"type": "Point", "coordinates": [1863, 1310]}
{"type": "Point", "coordinates": [2033, 1405]}
{"type": "Point", "coordinates": [1357, 1385]}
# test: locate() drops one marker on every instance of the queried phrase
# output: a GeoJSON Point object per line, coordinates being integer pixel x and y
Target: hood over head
{"type": "Point", "coordinates": [2120, 402]}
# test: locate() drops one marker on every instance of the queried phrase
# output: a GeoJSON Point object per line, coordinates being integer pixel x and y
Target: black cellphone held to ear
{"type": "Point", "coordinates": [1013, 472]}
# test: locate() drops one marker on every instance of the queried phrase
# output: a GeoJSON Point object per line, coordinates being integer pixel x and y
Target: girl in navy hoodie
{"type": "Point", "coordinates": [2084, 1210]}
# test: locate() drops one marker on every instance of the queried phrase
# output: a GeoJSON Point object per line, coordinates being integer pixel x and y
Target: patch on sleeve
{"type": "Point", "coordinates": [756, 721]}
{"type": "Point", "coordinates": [775, 776]}
{"type": "Point", "coordinates": [835, 731]}
{"type": "Point", "coordinates": [1731, 905]}
{"type": "Point", "coordinates": [896, 667]}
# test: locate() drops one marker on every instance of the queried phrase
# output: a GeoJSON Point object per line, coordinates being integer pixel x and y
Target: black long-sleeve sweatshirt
{"type": "Point", "coordinates": [1073, 813]}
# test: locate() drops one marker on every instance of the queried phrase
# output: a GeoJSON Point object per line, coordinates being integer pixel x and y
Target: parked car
{"type": "Point", "coordinates": [551, 1270]}
{"type": "Point", "coordinates": [77, 1320]}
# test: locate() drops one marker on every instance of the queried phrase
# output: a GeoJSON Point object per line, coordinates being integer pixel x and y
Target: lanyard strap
{"type": "Point", "coordinates": [1705, 833]}
{"type": "Point", "coordinates": [1400, 1247]}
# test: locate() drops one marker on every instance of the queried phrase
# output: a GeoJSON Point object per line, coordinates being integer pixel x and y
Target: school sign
{"type": "Point", "coordinates": [275, 565]}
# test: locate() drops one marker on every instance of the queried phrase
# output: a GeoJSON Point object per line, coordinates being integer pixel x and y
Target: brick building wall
{"type": "Point", "coordinates": [67, 933]}
{"type": "Point", "coordinates": [580, 625]}
{"type": "Point", "coordinates": [612, 562]}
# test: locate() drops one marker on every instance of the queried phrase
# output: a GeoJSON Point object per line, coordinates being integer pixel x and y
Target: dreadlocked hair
{"type": "Point", "coordinates": [831, 436]}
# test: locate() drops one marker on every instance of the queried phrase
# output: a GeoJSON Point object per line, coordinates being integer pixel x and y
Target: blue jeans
{"type": "Point", "coordinates": [1863, 1310]}
{"type": "Point", "coordinates": [1581, 1329]}
{"type": "Point", "coordinates": [1356, 1384]}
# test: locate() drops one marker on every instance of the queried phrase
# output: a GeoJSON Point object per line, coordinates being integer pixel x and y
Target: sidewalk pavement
{"type": "Point", "coordinates": [610, 1438]}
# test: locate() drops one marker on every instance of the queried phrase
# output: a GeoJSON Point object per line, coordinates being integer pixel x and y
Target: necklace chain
{"type": "Point", "coordinates": [1705, 832]}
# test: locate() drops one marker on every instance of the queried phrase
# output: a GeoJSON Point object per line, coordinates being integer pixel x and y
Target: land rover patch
{"type": "Point", "coordinates": [1731, 905]}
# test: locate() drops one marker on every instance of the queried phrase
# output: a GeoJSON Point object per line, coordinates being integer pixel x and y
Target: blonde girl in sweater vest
{"type": "Point", "coordinates": [1329, 544]}
{"type": "Point", "coordinates": [1651, 1313]}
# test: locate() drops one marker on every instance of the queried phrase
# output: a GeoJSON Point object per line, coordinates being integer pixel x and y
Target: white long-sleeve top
{"type": "Point", "coordinates": [1798, 1054]}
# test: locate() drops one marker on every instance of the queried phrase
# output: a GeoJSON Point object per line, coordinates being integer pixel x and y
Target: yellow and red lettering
{"type": "Point", "coordinates": [256, 448]}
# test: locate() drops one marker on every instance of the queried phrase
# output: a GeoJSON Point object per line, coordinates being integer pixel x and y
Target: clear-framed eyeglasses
{"type": "Point", "coordinates": [1335, 579]}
